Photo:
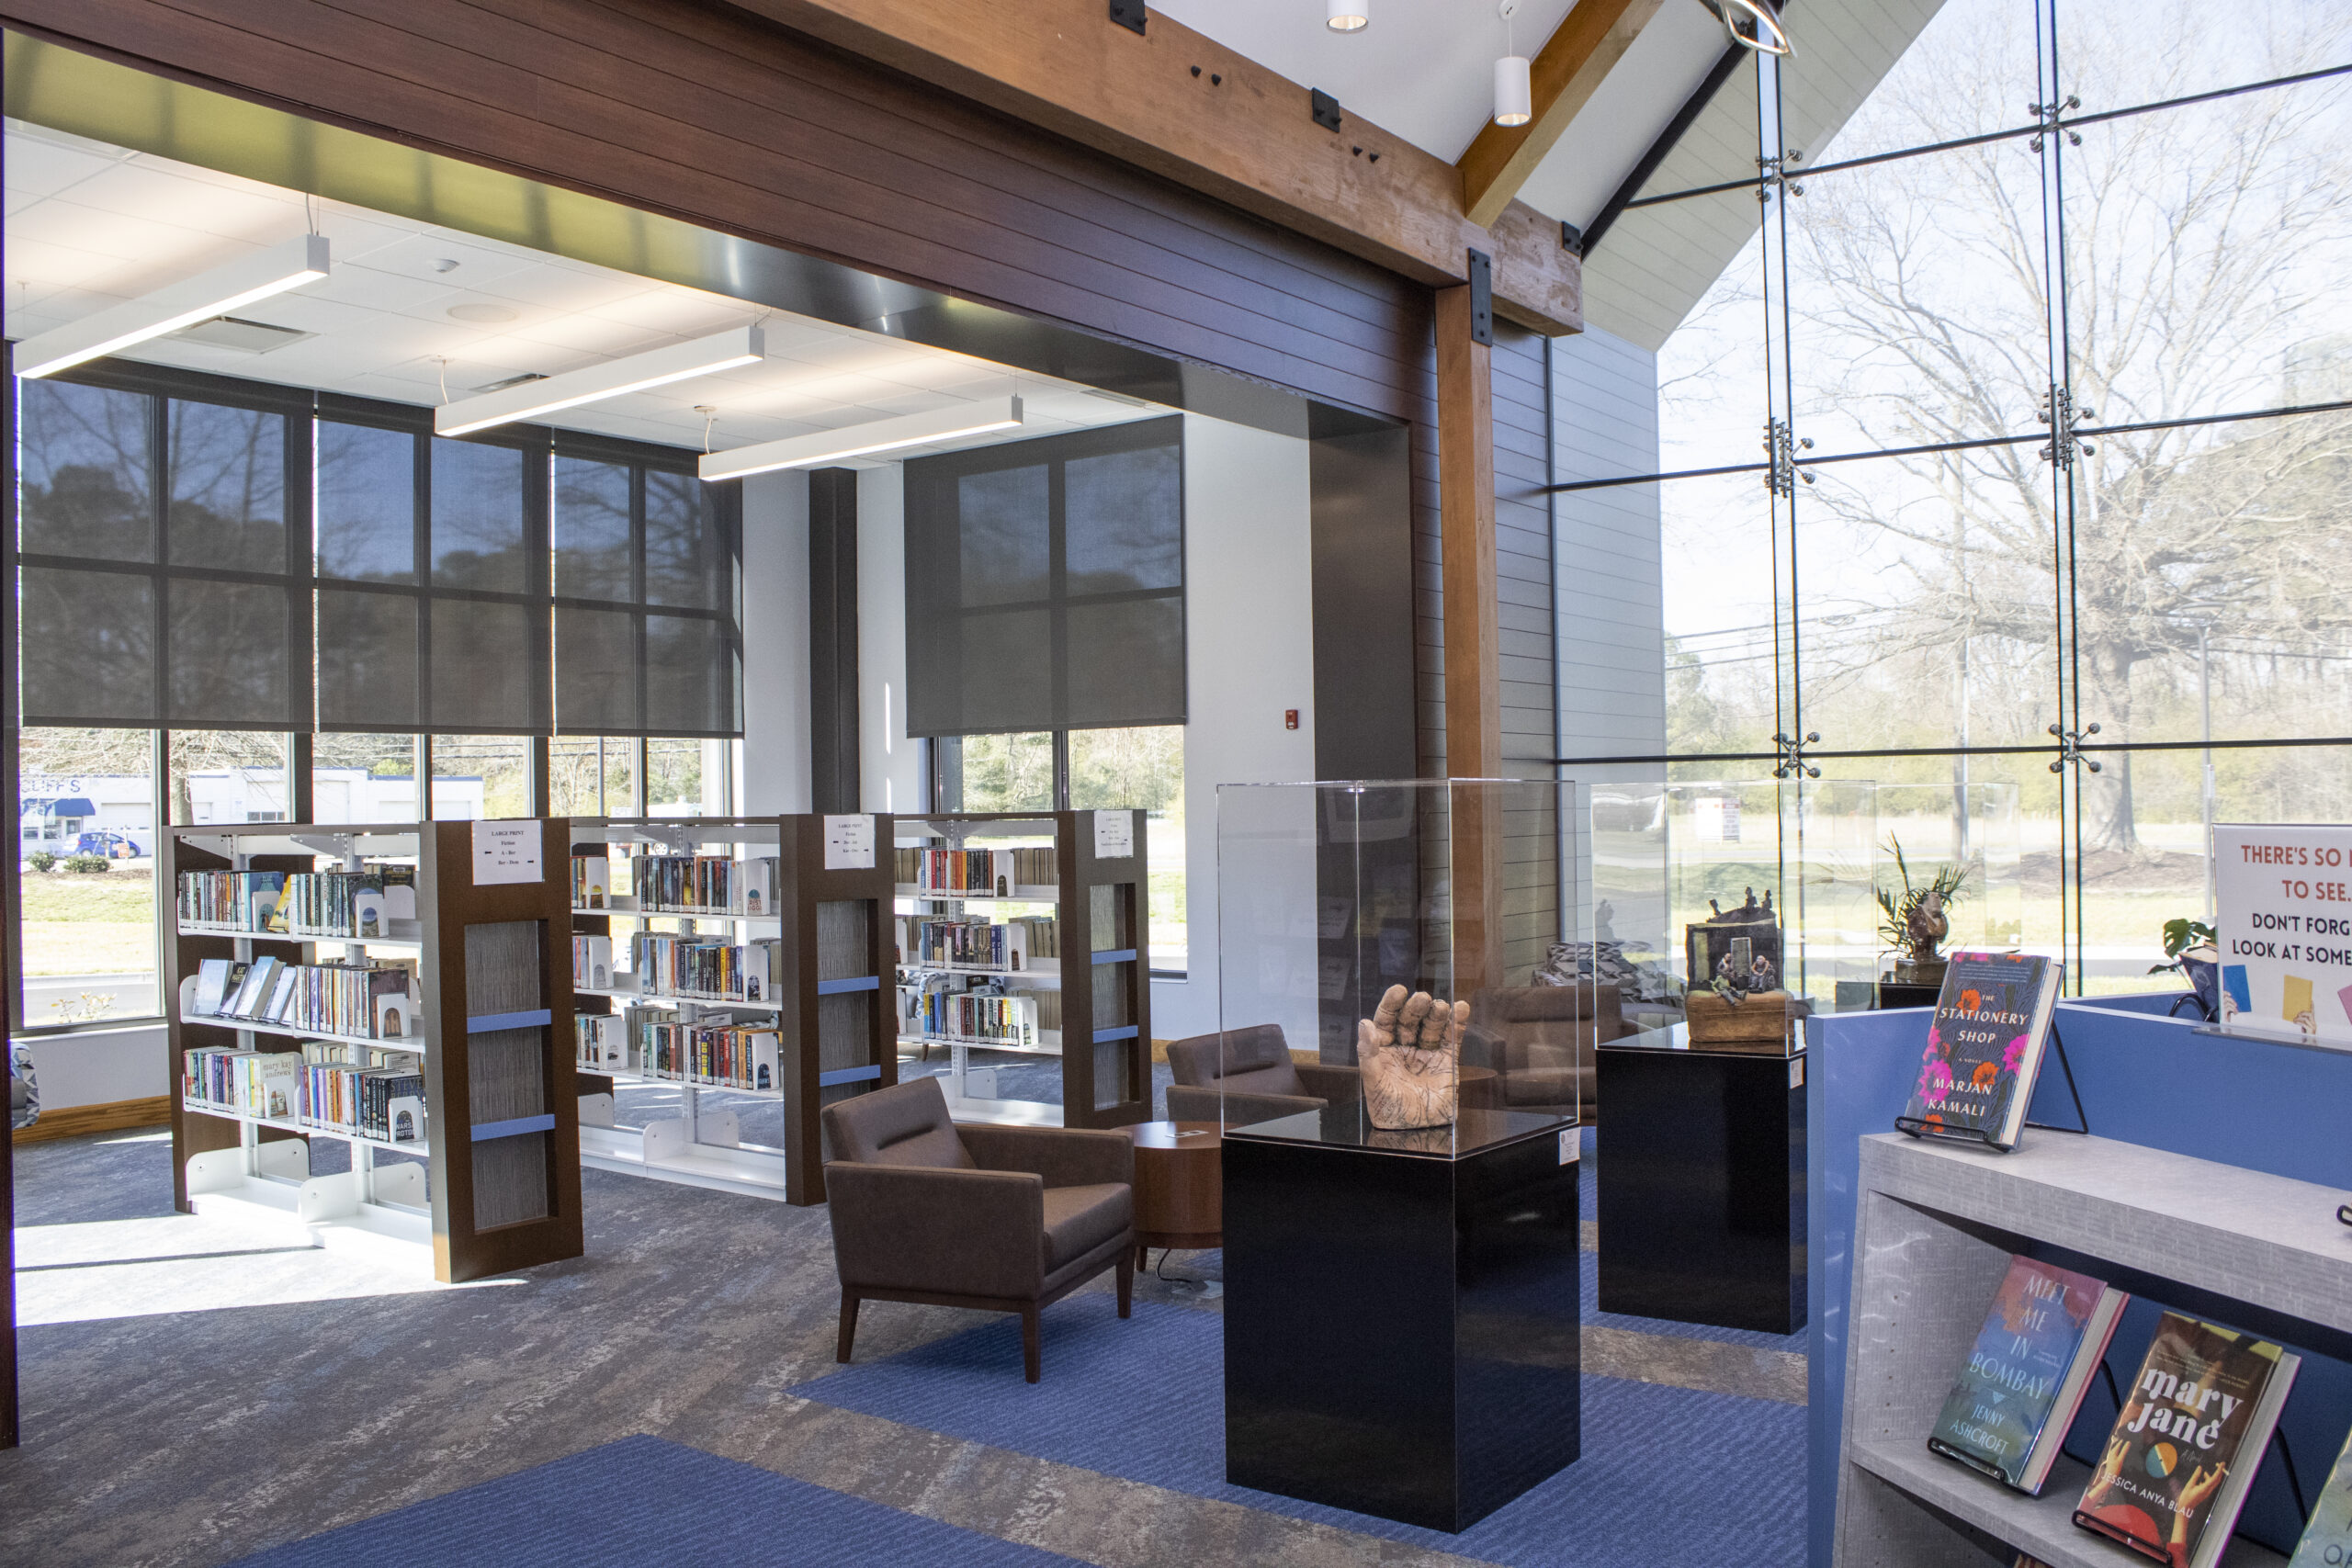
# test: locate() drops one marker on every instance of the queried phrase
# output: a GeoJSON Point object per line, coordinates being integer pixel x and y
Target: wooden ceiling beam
{"type": "Point", "coordinates": [1583, 49]}
{"type": "Point", "coordinates": [1176, 102]}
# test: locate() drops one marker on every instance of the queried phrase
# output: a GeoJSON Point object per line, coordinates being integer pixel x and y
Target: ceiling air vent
{"type": "Point", "coordinates": [238, 333]}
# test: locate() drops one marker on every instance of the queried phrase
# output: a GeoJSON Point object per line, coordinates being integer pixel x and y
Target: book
{"type": "Point", "coordinates": [1985, 1047]}
{"type": "Point", "coordinates": [2041, 1343]}
{"type": "Point", "coordinates": [404, 1118]}
{"type": "Point", "coordinates": [212, 986]}
{"type": "Point", "coordinates": [2184, 1448]}
{"type": "Point", "coordinates": [2327, 1539]}
{"type": "Point", "coordinates": [281, 997]}
{"type": "Point", "coordinates": [261, 980]}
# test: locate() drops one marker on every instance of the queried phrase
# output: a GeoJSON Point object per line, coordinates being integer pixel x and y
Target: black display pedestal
{"type": "Point", "coordinates": [1702, 1201]}
{"type": "Point", "coordinates": [1401, 1318]}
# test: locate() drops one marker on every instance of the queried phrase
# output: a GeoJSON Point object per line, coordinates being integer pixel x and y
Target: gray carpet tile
{"type": "Point", "coordinates": [193, 1403]}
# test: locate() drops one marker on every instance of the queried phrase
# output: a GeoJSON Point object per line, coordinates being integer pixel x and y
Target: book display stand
{"type": "Point", "coordinates": [1092, 1004]}
{"type": "Point", "coordinates": [497, 1187]}
{"type": "Point", "coordinates": [807, 899]}
{"type": "Point", "coordinates": [1936, 1227]}
{"type": "Point", "coordinates": [1919, 1129]}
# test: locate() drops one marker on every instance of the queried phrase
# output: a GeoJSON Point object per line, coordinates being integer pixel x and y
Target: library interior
{"type": "Point", "coordinates": [1102, 781]}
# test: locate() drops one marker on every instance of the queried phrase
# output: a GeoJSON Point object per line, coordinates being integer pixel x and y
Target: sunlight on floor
{"type": "Point", "coordinates": [89, 1271]}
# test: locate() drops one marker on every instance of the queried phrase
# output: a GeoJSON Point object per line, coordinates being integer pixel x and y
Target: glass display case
{"type": "Point", "coordinates": [1804, 874]}
{"type": "Point", "coordinates": [1403, 964]}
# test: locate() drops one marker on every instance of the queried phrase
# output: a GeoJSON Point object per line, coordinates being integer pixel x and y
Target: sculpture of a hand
{"type": "Point", "coordinates": [1408, 1051]}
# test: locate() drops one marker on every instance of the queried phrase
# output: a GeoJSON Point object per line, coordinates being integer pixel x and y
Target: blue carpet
{"type": "Point", "coordinates": [1668, 1475]}
{"type": "Point", "coordinates": [645, 1500]}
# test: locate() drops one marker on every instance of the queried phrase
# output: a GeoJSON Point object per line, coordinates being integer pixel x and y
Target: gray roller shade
{"type": "Point", "coordinates": [1045, 584]}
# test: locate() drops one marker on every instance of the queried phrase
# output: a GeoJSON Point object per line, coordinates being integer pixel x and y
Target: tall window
{"type": "Point", "coordinates": [2011, 420]}
{"type": "Point", "coordinates": [1045, 633]}
{"type": "Point", "coordinates": [240, 568]}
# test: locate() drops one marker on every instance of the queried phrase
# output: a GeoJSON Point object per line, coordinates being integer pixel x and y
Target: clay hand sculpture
{"type": "Point", "coordinates": [1407, 1052]}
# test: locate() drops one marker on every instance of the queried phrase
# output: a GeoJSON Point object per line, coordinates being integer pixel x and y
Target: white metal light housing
{"type": "Point", "coordinates": [630, 373]}
{"type": "Point", "coordinates": [1765, 34]}
{"type": "Point", "coordinates": [1514, 91]}
{"type": "Point", "coordinates": [176, 305]}
{"type": "Point", "coordinates": [1346, 16]}
{"type": "Point", "coordinates": [864, 440]}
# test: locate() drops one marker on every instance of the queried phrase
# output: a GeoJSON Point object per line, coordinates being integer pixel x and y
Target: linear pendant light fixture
{"type": "Point", "coordinates": [864, 440]}
{"type": "Point", "coordinates": [216, 293]}
{"type": "Point", "coordinates": [630, 373]}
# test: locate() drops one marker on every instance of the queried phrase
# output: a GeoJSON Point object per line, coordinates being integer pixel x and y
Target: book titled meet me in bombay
{"type": "Point", "coordinates": [1985, 1047]}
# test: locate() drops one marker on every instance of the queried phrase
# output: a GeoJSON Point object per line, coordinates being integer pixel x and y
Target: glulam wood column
{"type": "Point", "coordinates": [1474, 719]}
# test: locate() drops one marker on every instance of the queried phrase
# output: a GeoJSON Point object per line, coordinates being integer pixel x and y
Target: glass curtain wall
{"type": "Point", "coordinates": [2015, 445]}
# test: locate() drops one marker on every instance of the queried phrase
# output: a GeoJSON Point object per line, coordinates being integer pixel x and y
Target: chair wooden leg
{"type": "Point", "coordinates": [1030, 1336]}
{"type": "Point", "coordinates": [1127, 1285]}
{"type": "Point", "coordinates": [849, 1325]}
{"type": "Point", "coordinates": [1143, 1257]}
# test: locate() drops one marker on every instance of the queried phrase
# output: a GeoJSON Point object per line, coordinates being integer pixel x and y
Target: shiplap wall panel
{"type": "Point", "coordinates": [1610, 587]}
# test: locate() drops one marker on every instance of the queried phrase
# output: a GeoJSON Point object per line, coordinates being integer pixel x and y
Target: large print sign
{"type": "Point", "coordinates": [2284, 929]}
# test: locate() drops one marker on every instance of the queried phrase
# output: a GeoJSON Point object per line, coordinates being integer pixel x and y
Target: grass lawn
{"type": "Point", "coordinates": [89, 923]}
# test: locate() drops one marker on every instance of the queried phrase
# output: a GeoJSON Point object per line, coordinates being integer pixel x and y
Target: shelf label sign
{"type": "Point", "coordinates": [1114, 835]}
{"type": "Point", "coordinates": [849, 843]}
{"type": "Point", "coordinates": [506, 852]}
{"type": "Point", "coordinates": [2284, 927]}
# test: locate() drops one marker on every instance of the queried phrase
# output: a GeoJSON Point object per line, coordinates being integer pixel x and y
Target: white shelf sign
{"type": "Point", "coordinates": [849, 843]}
{"type": "Point", "coordinates": [506, 852]}
{"type": "Point", "coordinates": [1114, 835]}
{"type": "Point", "coordinates": [2284, 927]}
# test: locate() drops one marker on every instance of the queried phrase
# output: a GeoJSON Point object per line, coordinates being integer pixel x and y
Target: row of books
{"type": "Point", "coordinates": [971, 1015]}
{"type": "Point", "coordinates": [716, 885]}
{"type": "Point", "coordinates": [319, 1085]}
{"type": "Point", "coordinates": [988, 872]}
{"type": "Point", "coordinates": [2184, 1446]}
{"type": "Point", "coordinates": [725, 1053]}
{"type": "Point", "coordinates": [592, 962]}
{"type": "Point", "coordinates": [929, 943]}
{"type": "Point", "coordinates": [375, 999]}
{"type": "Point", "coordinates": [705, 967]}
{"type": "Point", "coordinates": [358, 905]}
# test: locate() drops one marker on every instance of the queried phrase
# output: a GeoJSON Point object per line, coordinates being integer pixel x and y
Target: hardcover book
{"type": "Point", "coordinates": [1985, 1046]}
{"type": "Point", "coordinates": [212, 986]}
{"type": "Point", "coordinates": [2041, 1344]}
{"type": "Point", "coordinates": [2327, 1539]}
{"type": "Point", "coordinates": [2185, 1447]}
{"type": "Point", "coordinates": [260, 983]}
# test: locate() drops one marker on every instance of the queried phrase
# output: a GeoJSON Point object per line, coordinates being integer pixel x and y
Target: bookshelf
{"type": "Point", "coordinates": [1937, 1225]}
{"type": "Point", "coordinates": [494, 1183]}
{"type": "Point", "coordinates": [823, 999]}
{"type": "Point", "coordinates": [1099, 986]}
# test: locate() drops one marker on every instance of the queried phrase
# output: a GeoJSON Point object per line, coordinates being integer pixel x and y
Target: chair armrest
{"type": "Point", "coordinates": [1235, 1110]}
{"type": "Point", "coordinates": [972, 1232]}
{"type": "Point", "coordinates": [1064, 1157]}
{"type": "Point", "coordinates": [1331, 1081]}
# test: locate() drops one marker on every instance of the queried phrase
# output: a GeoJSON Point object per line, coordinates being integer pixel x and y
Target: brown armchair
{"type": "Point", "coordinates": [1003, 1219]}
{"type": "Point", "coordinates": [1248, 1075]}
{"type": "Point", "coordinates": [1538, 1040]}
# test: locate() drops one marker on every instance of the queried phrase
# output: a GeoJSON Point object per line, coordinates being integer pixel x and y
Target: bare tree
{"type": "Point", "coordinates": [2202, 246]}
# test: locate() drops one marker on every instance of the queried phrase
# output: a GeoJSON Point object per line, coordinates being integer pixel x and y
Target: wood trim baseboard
{"type": "Point", "coordinates": [113, 1115]}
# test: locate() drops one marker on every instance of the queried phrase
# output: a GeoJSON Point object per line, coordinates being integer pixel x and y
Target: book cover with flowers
{"type": "Point", "coordinates": [1984, 1046]}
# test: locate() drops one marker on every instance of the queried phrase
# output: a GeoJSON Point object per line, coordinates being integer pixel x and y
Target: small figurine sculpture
{"type": "Point", "coordinates": [1408, 1051]}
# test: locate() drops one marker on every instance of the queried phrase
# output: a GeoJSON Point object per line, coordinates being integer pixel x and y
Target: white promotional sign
{"type": "Point", "coordinates": [1114, 835]}
{"type": "Point", "coordinates": [506, 852]}
{"type": "Point", "coordinates": [2284, 929]}
{"type": "Point", "coordinates": [849, 843]}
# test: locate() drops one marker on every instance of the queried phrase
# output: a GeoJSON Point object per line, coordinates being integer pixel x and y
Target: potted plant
{"type": "Point", "coordinates": [1920, 918]}
{"type": "Point", "coordinates": [2189, 950]}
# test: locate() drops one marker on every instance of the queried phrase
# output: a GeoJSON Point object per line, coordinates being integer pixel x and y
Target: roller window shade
{"type": "Point", "coordinates": [1045, 584]}
{"type": "Point", "coordinates": [647, 556]}
{"type": "Point", "coordinates": [203, 621]}
{"type": "Point", "coordinates": [368, 659]}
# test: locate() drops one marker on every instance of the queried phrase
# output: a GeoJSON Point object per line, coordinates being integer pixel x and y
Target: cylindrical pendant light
{"type": "Point", "coordinates": [1346, 16]}
{"type": "Point", "coordinates": [1514, 91]}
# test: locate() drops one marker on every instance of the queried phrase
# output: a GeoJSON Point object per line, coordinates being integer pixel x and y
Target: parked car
{"type": "Point", "coordinates": [114, 846]}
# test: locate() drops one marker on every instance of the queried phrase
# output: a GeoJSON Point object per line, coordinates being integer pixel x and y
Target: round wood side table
{"type": "Point", "coordinates": [1179, 1186]}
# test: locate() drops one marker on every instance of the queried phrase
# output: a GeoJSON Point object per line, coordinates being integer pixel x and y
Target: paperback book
{"type": "Point", "coordinates": [1985, 1047]}
{"type": "Point", "coordinates": [2327, 1539]}
{"type": "Point", "coordinates": [2033, 1362]}
{"type": "Point", "coordinates": [2185, 1448]}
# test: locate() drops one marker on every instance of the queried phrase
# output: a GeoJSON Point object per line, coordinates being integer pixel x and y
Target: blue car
{"type": "Point", "coordinates": [114, 846]}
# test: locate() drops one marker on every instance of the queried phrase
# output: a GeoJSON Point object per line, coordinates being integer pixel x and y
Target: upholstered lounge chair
{"type": "Point", "coordinates": [1003, 1219]}
{"type": "Point", "coordinates": [1540, 1040]}
{"type": "Point", "coordinates": [1248, 1075]}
